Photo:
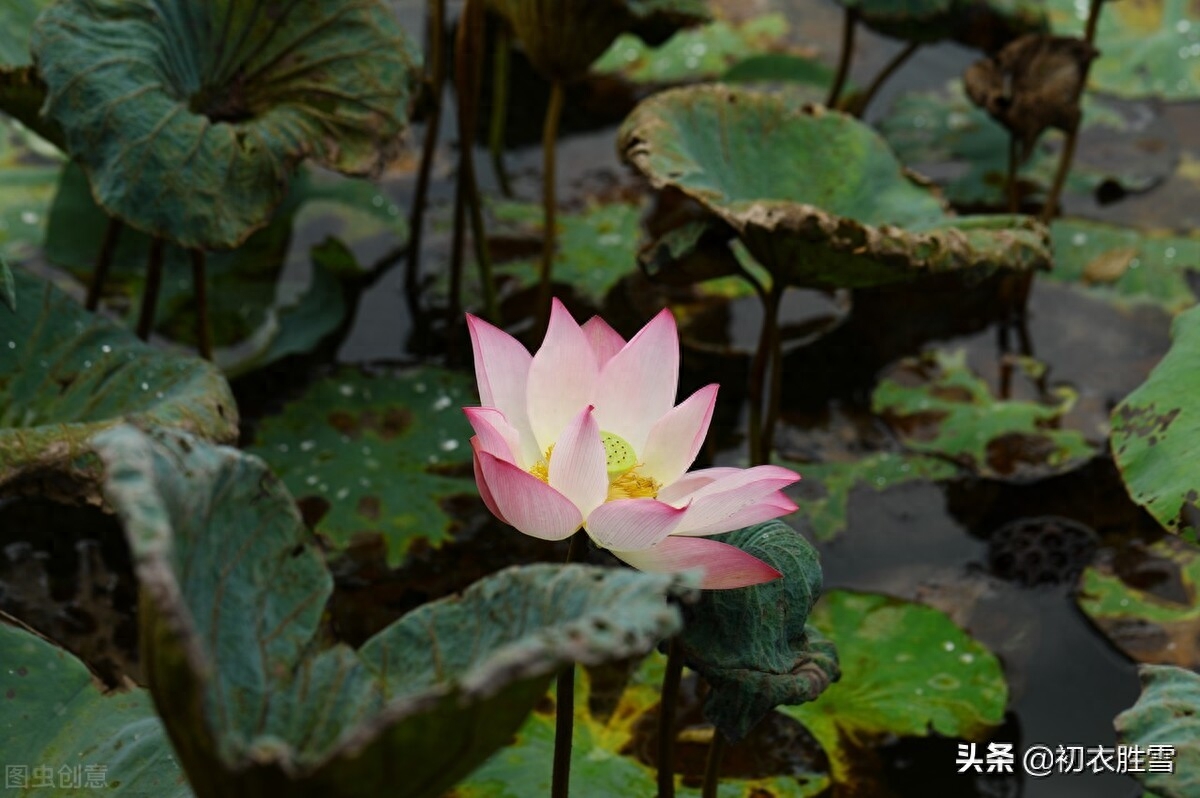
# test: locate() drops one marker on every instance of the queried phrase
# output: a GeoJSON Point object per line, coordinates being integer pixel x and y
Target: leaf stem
{"type": "Point", "coordinates": [501, 68]}
{"type": "Point", "coordinates": [154, 269]}
{"type": "Point", "coordinates": [436, 80]}
{"type": "Point", "coordinates": [104, 260]}
{"type": "Point", "coordinates": [200, 291]}
{"type": "Point", "coordinates": [1014, 201]}
{"type": "Point", "coordinates": [564, 706]}
{"type": "Point", "coordinates": [888, 70]}
{"type": "Point", "coordinates": [758, 371]}
{"type": "Point", "coordinates": [667, 705]}
{"type": "Point", "coordinates": [712, 765]}
{"type": "Point", "coordinates": [549, 199]}
{"type": "Point", "coordinates": [849, 23]}
{"type": "Point", "coordinates": [775, 393]}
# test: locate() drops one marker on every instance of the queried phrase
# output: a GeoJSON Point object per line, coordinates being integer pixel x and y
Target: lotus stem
{"type": "Point", "coordinates": [564, 708]}
{"type": "Point", "coordinates": [1011, 187]}
{"type": "Point", "coordinates": [436, 75]}
{"type": "Point", "coordinates": [200, 291]}
{"type": "Point", "coordinates": [501, 68]}
{"type": "Point", "coordinates": [758, 371]}
{"type": "Point", "coordinates": [457, 245]}
{"type": "Point", "coordinates": [667, 705]}
{"type": "Point", "coordinates": [849, 23]}
{"type": "Point", "coordinates": [712, 765]}
{"type": "Point", "coordinates": [104, 259]}
{"type": "Point", "coordinates": [1050, 208]}
{"type": "Point", "coordinates": [549, 200]}
{"type": "Point", "coordinates": [775, 394]}
{"type": "Point", "coordinates": [154, 270]}
{"type": "Point", "coordinates": [884, 75]}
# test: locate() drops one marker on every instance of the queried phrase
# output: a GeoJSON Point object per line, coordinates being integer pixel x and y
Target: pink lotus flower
{"type": "Point", "coordinates": [586, 433]}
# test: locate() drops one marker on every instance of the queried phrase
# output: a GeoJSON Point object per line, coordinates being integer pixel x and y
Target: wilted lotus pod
{"type": "Point", "coordinates": [1032, 84]}
{"type": "Point", "coordinates": [816, 196]}
{"type": "Point", "coordinates": [191, 128]}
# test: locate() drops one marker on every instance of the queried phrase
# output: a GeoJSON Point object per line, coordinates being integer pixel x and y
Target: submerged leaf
{"type": "Point", "coordinates": [55, 713]}
{"type": "Point", "coordinates": [1156, 433]}
{"type": "Point", "coordinates": [907, 670]}
{"type": "Point", "coordinates": [752, 645]}
{"type": "Point", "coordinates": [66, 374]}
{"type": "Point", "coordinates": [233, 591]}
{"type": "Point", "coordinates": [1165, 715]}
{"type": "Point", "coordinates": [760, 165]}
{"type": "Point", "coordinates": [237, 93]}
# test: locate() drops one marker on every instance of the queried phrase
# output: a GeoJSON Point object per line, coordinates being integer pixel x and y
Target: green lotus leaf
{"type": "Point", "coordinates": [563, 38]}
{"type": "Point", "coordinates": [21, 90]}
{"type": "Point", "coordinates": [1150, 48]}
{"type": "Point", "coordinates": [939, 407]}
{"type": "Point", "coordinates": [759, 164]}
{"type": "Point", "coordinates": [8, 288]}
{"type": "Point", "coordinates": [27, 177]}
{"type": "Point", "coordinates": [16, 28]}
{"type": "Point", "coordinates": [752, 645]}
{"type": "Point", "coordinates": [1127, 263]}
{"type": "Point", "coordinates": [233, 591]}
{"type": "Point", "coordinates": [604, 763]}
{"type": "Point", "coordinates": [1147, 625]}
{"type": "Point", "coordinates": [1165, 715]}
{"type": "Point", "coordinates": [193, 131]}
{"type": "Point", "coordinates": [943, 135]}
{"type": "Point", "coordinates": [703, 52]}
{"type": "Point", "coordinates": [269, 298]}
{"type": "Point", "coordinates": [1155, 431]}
{"type": "Point", "coordinates": [907, 670]}
{"type": "Point", "coordinates": [983, 24]}
{"type": "Point", "coordinates": [66, 374]}
{"type": "Point", "coordinates": [824, 508]}
{"type": "Point", "coordinates": [385, 453]}
{"type": "Point", "coordinates": [56, 715]}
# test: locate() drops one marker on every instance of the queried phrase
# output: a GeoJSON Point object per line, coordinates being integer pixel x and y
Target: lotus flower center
{"type": "Point", "coordinates": [624, 482]}
{"type": "Point", "coordinates": [618, 455]}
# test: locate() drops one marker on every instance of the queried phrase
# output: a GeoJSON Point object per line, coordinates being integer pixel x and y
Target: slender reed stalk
{"type": "Point", "coordinates": [712, 766]}
{"type": "Point", "coordinates": [104, 259]}
{"type": "Point", "coordinates": [667, 705]}
{"type": "Point", "coordinates": [154, 269]}
{"type": "Point", "coordinates": [200, 292]}
{"type": "Point", "coordinates": [849, 24]}
{"type": "Point", "coordinates": [549, 199]}
{"type": "Point", "coordinates": [501, 69]}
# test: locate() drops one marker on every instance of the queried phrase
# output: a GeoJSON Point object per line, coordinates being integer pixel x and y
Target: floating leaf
{"type": "Point", "coordinates": [1165, 715]}
{"type": "Point", "coordinates": [383, 453]}
{"type": "Point", "coordinates": [1155, 433]}
{"type": "Point", "coordinates": [233, 593]}
{"type": "Point", "coordinates": [8, 288]}
{"type": "Point", "coordinates": [704, 52]}
{"type": "Point", "coordinates": [55, 714]}
{"type": "Point", "coordinates": [563, 38]}
{"type": "Point", "coordinates": [752, 645]}
{"type": "Point", "coordinates": [759, 164]}
{"type": "Point", "coordinates": [1135, 264]}
{"type": "Point", "coordinates": [1148, 624]}
{"type": "Point", "coordinates": [269, 298]}
{"type": "Point", "coordinates": [907, 670]}
{"type": "Point", "coordinates": [982, 24]}
{"type": "Point", "coordinates": [603, 761]}
{"type": "Point", "coordinates": [66, 374]}
{"type": "Point", "coordinates": [834, 481]}
{"type": "Point", "coordinates": [1151, 48]}
{"type": "Point", "coordinates": [939, 407]}
{"type": "Point", "coordinates": [238, 93]}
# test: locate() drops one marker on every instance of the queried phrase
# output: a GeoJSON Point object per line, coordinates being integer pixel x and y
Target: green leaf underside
{"type": "Point", "coordinates": [940, 407]}
{"type": "Point", "coordinates": [54, 714]}
{"type": "Point", "coordinates": [563, 38]}
{"type": "Point", "coordinates": [701, 53]}
{"type": "Point", "coordinates": [230, 95]}
{"type": "Point", "coordinates": [972, 22]}
{"type": "Point", "coordinates": [601, 763]}
{"type": "Point", "coordinates": [752, 645]}
{"type": "Point", "coordinates": [386, 452]}
{"type": "Point", "coordinates": [1165, 714]}
{"type": "Point", "coordinates": [879, 471]}
{"type": "Point", "coordinates": [864, 224]}
{"type": "Point", "coordinates": [1156, 432]}
{"type": "Point", "coordinates": [66, 374]}
{"type": "Point", "coordinates": [267, 299]}
{"type": "Point", "coordinates": [234, 591]}
{"type": "Point", "coordinates": [906, 670]}
{"type": "Point", "coordinates": [943, 135]}
{"type": "Point", "coordinates": [1124, 262]}
{"type": "Point", "coordinates": [1149, 48]}
{"type": "Point", "coordinates": [1148, 627]}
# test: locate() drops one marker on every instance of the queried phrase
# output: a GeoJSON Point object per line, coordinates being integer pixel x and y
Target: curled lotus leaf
{"type": "Point", "coordinates": [1165, 714]}
{"type": "Point", "coordinates": [753, 646]}
{"type": "Point", "coordinates": [233, 588]}
{"type": "Point", "coordinates": [66, 374]}
{"type": "Point", "coordinates": [758, 164]}
{"type": "Point", "coordinates": [21, 90]}
{"type": "Point", "coordinates": [983, 24]}
{"type": "Point", "coordinates": [563, 38]}
{"type": "Point", "coordinates": [192, 131]}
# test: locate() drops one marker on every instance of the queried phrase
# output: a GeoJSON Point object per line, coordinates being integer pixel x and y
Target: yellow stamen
{"type": "Point", "coordinates": [632, 485]}
{"type": "Point", "coordinates": [541, 469]}
{"type": "Point", "coordinates": [624, 481]}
